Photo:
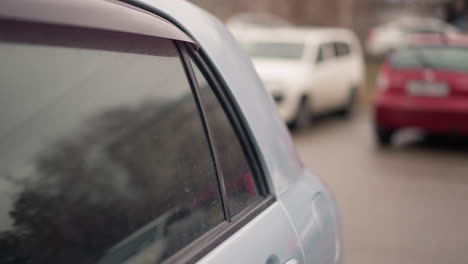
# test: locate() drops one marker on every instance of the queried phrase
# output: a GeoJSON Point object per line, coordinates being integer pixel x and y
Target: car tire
{"type": "Point", "coordinates": [348, 108]}
{"type": "Point", "coordinates": [303, 115]}
{"type": "Point", "coordinates": [383, 136]}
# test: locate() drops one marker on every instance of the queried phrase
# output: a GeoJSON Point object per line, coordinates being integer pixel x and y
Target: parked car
{"type": "Point", "coordinates": [300, 68]}
{"type": "Point", "coordinates": [385, 38]}
{"type": "Point", "coordinates": [425, 86]}
{"type": "Point", "coordinates": [138, 132]}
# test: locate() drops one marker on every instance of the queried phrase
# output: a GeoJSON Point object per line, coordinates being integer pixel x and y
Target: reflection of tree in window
{"type": "Point", "coordinates": [129, 183]}
{"type": "Point", "coordinates": [93, 190]}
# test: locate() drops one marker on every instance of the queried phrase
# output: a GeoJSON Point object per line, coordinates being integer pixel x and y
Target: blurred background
{"type": "Point", "coordinates": [359, 15]}
{"type": "Point", "coordinates": [402, 192]}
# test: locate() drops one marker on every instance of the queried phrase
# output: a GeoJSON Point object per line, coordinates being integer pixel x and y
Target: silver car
{"type": "Point", "coordinates": [138, 132]}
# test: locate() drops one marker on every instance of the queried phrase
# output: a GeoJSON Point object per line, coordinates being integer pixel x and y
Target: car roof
{"type": "Point", "coordinates": [415, 20]}
{"type": "Point", "coordinates": [420, 40]}
{"type": "Point", "coordinates": [295, 34]}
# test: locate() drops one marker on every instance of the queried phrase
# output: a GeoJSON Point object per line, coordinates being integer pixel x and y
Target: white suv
{"type": "Point", "coordinates": [307, 70]}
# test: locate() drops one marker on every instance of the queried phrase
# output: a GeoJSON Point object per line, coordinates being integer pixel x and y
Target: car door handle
{"type": "Point", "coordinates": [292, 261]}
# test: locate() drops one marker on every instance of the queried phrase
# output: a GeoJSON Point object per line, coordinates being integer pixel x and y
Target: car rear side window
{"type": "Point", "coordinates": [325, 52]}
{"type": "Point", "coordinates": [239, 182]}
{"type": "Point", "coordinates": [342, 49]}
{"type": "Point", "coordinates": [103, 155]}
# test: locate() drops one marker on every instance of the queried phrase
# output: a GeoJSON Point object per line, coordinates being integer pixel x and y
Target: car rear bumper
{"type": "Point", "coordinates": [433, 115]}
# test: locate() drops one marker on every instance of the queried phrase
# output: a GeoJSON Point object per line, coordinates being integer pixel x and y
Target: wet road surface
{"type": "Point", "coordinates": [403, 205]}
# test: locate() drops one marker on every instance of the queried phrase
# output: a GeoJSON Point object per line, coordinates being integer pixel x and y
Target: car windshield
{"type": "Point", "coordinates": [434, 57]}
{"type": "Point", "coordinates": [275, 50]}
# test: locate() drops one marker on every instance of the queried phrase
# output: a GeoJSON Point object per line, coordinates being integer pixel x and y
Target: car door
{"type": "Point", "coordinates": [259, 230]}
{"type": "Point", "coordinates": [325, 78]}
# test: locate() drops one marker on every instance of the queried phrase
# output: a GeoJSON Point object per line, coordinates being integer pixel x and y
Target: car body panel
{"type": "Point", "coordinates": [324, 86]}
{"type": "Point", "coordinates": [260, 240]}
{"type": "Point", "coordinates": [432, 115]}
{"type": "Point", "coordinates": [281, 75]}
{"type": "Point", "coordinates": [320, 237]}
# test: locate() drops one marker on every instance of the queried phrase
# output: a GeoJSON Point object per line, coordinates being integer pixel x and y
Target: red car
{"type": "Point", "coordinates": [425, 86]}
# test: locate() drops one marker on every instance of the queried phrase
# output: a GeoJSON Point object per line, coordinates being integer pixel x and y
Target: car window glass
{"type": "Point", "coordinates": [105, 159]}
{"type": "Point", "coordinates": [342, 49]}
{"type": "Point", "coordinates": [238, 178]}
{"type": "Point", "coordinates": [345, 49]}
{"type": "Point", "coordinates": [335, 49]}
{"type": "Point", "coordinates": [330, 51]}
{"type": "Point", "coordinates": [320, 55]}
{"type": "Point", "coordinates": [327, 51]}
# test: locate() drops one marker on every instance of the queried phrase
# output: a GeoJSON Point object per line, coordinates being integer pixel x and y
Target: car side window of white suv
{"type": "Point", "coordinates": [326, 52]}
{"type": "Point", "coordinates": [320, 56]}
{"type": "Point", "coordinates": [342, 49]}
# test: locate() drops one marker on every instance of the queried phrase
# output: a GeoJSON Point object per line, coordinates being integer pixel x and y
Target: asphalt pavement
{"type": "Point", "coordinates": [404, 205]}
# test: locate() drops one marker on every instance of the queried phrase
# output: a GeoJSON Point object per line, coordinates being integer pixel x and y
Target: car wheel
{"type": "Point", "coordinates": [303, 115]}
{"type": "Point", "coordinates": [348, 108]}
{"type": "Point", "coordinates": [383, 136]}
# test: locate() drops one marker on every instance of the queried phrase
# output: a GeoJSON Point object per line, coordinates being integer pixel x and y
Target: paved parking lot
{"type": "Point", "coordinates": [405, 205]}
